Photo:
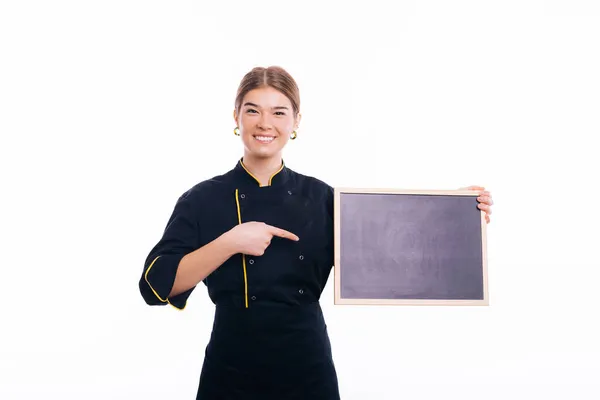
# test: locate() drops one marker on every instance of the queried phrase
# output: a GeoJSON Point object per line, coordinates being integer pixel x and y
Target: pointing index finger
{"type": "Point", "coordinates": [282, 233]}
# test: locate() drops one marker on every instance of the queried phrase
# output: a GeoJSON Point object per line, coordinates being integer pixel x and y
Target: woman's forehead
{"type": "Point", "coordinates": [266, 97]}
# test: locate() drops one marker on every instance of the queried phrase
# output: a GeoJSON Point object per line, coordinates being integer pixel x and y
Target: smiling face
{"type": "Point", "coordinates": [266, 120]}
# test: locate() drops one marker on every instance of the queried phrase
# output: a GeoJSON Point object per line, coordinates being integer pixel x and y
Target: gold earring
{"type": "Point", "coordinates": [294, 135]}
{"type": "Point", "coordinates": [236, 131]}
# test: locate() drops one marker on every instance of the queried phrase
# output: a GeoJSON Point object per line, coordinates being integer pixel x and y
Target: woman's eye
{"type": "Point", "coordinates": [280, 113]}
{"type": "Point", "coordinates": [250, 110]}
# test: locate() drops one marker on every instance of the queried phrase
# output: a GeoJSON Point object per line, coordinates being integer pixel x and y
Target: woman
{"type": "Point", "coordinates": [260, 237]}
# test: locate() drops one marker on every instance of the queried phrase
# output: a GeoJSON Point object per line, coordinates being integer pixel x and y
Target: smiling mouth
{"type": "Point", "coordinates": [264, 139]}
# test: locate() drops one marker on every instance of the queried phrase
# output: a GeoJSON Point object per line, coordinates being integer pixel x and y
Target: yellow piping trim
{"type": "Point", "coordinates": [256, 179]}
{"type": "Point", "coordinates": [237, 202]}
{"type": "Point", "coordinates": [249, 173]}
{"type": "Point", "coordinates": [278, 171]}
{"type": "Point", "coordinates": [146, 278]}
{"type": "Point", "coordinates": [154, 291]}
{"type": "Point", "coordinates": [175, 307]}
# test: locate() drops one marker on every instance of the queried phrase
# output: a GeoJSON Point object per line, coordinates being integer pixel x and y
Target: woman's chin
{"type": "Point", "coordinates": [263, 153]}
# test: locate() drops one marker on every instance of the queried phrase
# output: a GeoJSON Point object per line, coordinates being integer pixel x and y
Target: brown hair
{"type": "Point", "coordinates": [275, 77]}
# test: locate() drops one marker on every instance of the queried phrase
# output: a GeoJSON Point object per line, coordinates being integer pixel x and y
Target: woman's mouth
{"type": "Point", "coordinates": [264, 139]}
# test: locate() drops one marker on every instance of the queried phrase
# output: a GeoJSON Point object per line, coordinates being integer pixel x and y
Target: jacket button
{"type": "Point", "coordinates": [301, 291]}
{"type": "Point", "coordinates": [253, 297]}
{"type": "Point", "coordinates": [243, 196]}
{"type": "Point", "coordinates": [289, 192]}
{"type": "Point", "coordinates": [251, 261]}
{"type": "Point", "coordinates": [301, 257]}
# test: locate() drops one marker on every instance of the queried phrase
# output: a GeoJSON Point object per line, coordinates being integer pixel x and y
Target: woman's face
{"type": "Point", "coordinates": [266, 121]}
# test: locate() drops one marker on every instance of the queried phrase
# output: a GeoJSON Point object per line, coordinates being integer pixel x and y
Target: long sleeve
{"type": "Point", "coordinates": [179, 238]}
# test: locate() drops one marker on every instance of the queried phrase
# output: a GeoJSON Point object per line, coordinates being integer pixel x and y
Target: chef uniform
{"type": "Point", "coordinates": [269, 339]}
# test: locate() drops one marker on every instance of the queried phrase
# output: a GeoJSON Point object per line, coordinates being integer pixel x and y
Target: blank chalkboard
{"type": "Point", "coordinates": [409, 247]}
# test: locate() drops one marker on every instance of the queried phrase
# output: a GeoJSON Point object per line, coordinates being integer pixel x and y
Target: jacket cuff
{"type": "Point", "coordinates": [159, 278]}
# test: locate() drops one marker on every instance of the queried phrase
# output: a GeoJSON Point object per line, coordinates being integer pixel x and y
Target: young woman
{"type": "Point", "coordinates": [260, 237]}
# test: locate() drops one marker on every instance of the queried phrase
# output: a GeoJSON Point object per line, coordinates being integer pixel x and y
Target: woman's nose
{"type": "Point", "coordinates": [264, 122]}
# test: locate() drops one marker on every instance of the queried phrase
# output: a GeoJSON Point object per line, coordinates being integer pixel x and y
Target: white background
{"type": "Point", "coordinates": [109, 110]}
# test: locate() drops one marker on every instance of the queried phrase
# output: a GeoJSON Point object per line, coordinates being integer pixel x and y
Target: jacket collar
{"type": "Point", "coordinates": [279, 178]}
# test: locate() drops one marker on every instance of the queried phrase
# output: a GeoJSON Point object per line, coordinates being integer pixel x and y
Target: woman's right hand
{"type": "Point", "coordinates": [253, 237]}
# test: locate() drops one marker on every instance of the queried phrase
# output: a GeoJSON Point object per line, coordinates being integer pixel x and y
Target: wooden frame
{"type": "Point", "coordinates": [369, 301]}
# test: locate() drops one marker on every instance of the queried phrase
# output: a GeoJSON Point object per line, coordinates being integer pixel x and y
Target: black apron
{"type": "Point", "coordinates": [268, 351]}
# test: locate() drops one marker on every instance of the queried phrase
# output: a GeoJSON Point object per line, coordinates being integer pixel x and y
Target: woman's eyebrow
{"type": "Point", "coordinates": [249, 104]}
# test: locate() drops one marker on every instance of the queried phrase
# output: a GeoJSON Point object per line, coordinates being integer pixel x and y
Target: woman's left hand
{"type": "Point", "coordinates": [484, 199]}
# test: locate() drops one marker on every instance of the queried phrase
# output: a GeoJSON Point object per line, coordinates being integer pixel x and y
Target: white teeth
{"type": "Point", "coordinates": [264, 138]}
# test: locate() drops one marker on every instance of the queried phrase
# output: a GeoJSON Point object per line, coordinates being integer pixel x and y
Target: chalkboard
{"type": "Point", "coordinates": [409, 247]}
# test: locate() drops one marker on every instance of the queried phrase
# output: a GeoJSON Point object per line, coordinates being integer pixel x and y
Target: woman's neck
{"type": "Point", "coordinates": [262, 168]}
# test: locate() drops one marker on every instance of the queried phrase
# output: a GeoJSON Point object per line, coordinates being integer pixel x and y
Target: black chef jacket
{"type": "Point", "coordinates": [269, 338]}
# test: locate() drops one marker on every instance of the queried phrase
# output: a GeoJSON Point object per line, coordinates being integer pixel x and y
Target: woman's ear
{"type": "Point", "coordinates": [235, 117]}
{"type": "Point", "coordinates": [298, 118]}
